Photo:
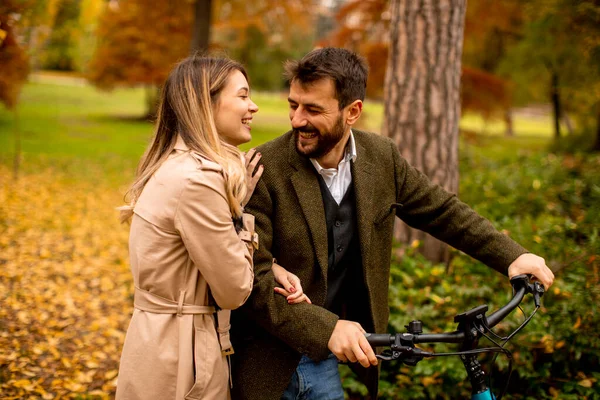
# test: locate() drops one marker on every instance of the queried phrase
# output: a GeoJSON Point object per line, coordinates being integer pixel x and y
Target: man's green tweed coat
{"type": "Point", "coordinates": [269, 334]}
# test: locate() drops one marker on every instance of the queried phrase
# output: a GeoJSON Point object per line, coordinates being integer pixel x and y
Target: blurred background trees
{"type": "Point", "coordinates": [138, 42]}
{"type": "Point", "coordinates": [259, 34]}
{"type": "Point", "coordinates": [515, 52]}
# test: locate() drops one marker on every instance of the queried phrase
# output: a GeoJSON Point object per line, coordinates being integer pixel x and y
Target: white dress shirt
{"type": "Point", "coordinates": [338, 179]}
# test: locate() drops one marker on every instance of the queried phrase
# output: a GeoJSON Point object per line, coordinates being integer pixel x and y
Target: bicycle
{"type": "Point", "coordinates": [472, 325]}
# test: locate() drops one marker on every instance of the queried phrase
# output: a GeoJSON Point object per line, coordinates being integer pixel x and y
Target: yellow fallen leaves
{"type": "Point", "coordinates": [65, 287]}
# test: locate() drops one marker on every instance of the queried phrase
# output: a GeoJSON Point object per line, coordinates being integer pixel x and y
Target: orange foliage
{"type": "Point", "coordinates": [363, 26]}
{"type": "Point", "coordinates": [13, 59]}
{"type": "Point", "coordinates": [484, 93]}
{"type": "Point", "coordinates": [376, 55]}
{"type": "Point", "coordinates": [139, 41]}
{"type": "Point", "coordinates": [277, 20]}
{"type": "Point", "coordinates": [485, 15]}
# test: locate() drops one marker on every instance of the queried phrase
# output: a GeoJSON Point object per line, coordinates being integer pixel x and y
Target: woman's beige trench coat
{"type": "Point", "coordinates": [185, 255]}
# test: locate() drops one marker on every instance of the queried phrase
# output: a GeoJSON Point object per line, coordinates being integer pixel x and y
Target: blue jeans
{"type": "Point", "coordinates": [315, 381]}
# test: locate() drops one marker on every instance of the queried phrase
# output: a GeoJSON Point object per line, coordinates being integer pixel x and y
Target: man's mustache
{"type": "Point", "coordinates": [306, 129]}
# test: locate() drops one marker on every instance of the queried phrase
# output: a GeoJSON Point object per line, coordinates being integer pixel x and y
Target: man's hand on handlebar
{"type": "Point", "coordinates": [531, 264]}
{"type": "Point", "coordinates": [348, 343]}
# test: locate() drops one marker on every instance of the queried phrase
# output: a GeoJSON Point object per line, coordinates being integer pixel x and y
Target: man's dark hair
{"type": "Point", "coordinates": [348, 71]}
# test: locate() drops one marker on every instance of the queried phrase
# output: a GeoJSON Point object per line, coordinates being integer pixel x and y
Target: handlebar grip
{"type": "Point", "coordinates": [376, 339]}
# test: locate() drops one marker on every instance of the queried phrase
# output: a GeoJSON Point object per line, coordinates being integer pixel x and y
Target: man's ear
{"type": "Point", "coordinates": [353, 110]}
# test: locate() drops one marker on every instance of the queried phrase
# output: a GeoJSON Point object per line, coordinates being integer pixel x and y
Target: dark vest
{"type": "Point", "coordinates": [345, 283]}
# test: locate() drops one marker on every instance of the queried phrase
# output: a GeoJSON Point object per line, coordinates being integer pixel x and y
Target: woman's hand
{"type": "Point", "coordinates": [292, 289]}
{"type": "Point", "coordinates": [251, 159]}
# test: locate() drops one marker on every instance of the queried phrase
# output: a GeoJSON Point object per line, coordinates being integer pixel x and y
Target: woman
{"type": "Point", "coordinates": [190, 264]}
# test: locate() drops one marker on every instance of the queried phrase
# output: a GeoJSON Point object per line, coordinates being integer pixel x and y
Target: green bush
{"type": "Point", "coordinates": [550, 204]}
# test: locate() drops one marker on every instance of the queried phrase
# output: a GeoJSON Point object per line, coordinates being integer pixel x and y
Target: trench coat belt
{"type": "Point", "coordinates": [150, 302]}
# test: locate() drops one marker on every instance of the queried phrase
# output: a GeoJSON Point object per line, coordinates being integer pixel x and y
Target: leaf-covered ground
{"type": "Point", "coordinates": [65, 287]}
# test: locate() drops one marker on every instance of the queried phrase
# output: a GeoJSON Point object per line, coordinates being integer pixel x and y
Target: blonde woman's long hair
{"type": "Point", "coordinates": [186, 106]}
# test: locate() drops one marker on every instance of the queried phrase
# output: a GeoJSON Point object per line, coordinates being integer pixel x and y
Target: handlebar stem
{"type": "Point", "coordinates": [475, 373]}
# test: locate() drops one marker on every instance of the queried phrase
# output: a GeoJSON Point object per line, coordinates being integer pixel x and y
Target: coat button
{"type": "Point", "coordinates": [338, 223]}
{"type": "Point", "coordinates": [340, 248]}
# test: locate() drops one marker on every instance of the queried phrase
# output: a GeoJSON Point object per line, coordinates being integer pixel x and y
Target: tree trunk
{"type": "Point", "coordinates": [17, 159]}
{"type": "Point", "coordinates": [555, 98]}
{"type": "Point", "coordinates": [508, 120]}
{"type": "Point", "coordinates": [597, 145]}
{"type": "Point", "coordinates": [201, 28]}
{"type": "Point", "coordinates": [422, 91]}
{"type": "Point", "coordinates": [152, 95]}
{"type": "Point", "coordinates": [568, 123]}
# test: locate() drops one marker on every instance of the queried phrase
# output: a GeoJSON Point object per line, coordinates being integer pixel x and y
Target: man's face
{"type": "Point", "coordinates": [317, 122]}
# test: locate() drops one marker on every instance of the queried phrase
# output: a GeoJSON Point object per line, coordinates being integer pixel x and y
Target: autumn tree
{"type": "Point", "coordinates": [263, 34]}
{"type": "Point", "coordinates": [422, 106]}
{"type": "Point", "coordinates": [131, 51]}
{"type": "Point", "coordinates": [556, 59]}
{"type": "Point", "coordinates": [491, 28]}
{"type": "Point", "coordinates": [363, 26]}
{"type": "Point", "coordinates": [15, 67]}
{"type": "Point", "coordinates": [13, 58]}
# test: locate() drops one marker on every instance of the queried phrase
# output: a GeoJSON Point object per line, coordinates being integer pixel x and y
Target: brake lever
{"type": "Point", "coordinates": [388, 355]}
{"type": "Point", "coordinates": [534, 287]}
{"type": "Point", "coordinates": [538, 292]}
{"type": "Point", "coordinates": [412, 355]}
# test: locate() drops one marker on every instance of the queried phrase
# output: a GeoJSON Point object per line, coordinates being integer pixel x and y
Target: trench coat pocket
{"type": "Point", "coordinates": [208, 363]}
{"type": "Point", "coordinates": [384, 214]}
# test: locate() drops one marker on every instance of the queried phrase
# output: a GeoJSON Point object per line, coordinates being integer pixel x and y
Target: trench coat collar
{"type": "Point", "coordinates": [308, 191]}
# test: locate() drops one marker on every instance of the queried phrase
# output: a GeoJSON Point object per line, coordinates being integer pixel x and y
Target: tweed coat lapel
{"type": "Point", "coordinates": [363, 178]}
{"type": "Point", "coordinates": [306, 185]}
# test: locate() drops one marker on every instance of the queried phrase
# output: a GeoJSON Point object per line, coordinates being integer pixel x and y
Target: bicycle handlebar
{"type": "Point", "coordinates": [521, 286]}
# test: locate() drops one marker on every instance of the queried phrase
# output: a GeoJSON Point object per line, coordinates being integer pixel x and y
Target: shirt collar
{"type": "Point", "coordinates": [349, 154]}
{"type": "Point", "coordinates": [351, 148]}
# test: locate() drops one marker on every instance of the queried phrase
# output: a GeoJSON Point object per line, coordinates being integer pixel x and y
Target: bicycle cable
{"type": "Point", "coordinates": [522, 325]}
{"type": "Point", "coordinates": [504, 340]}
{"type": "Point", "coordinates": [493, 361]}
{"type": "Point", "coordinates": [464, 352]}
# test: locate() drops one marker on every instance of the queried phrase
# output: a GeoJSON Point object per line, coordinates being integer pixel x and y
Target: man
{"type": "Point", "coordinates": [325, 211]}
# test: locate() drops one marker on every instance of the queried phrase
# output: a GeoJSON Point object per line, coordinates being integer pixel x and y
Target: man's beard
{"type": "Point", "coordinates": [326, 141]}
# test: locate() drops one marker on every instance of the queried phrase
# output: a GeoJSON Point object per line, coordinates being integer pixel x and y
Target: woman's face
{"type": "Point", "coordinates": [234, 109]}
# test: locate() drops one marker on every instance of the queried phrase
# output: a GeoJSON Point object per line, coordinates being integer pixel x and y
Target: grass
{"type": "Point", "coordinates": [523, 126]}
{"type": "Point", "coordinates": [94, 135]}
{"type": "Point", "coordinates": [56, 118]}
{"type": "Point", "coordinates": [64, 123]}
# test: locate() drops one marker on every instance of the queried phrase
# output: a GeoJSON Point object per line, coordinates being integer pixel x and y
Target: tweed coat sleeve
{"type": "Point", "coordinates": [304, 327]}
{"type": "Point", "coordinates": [428, 207]}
